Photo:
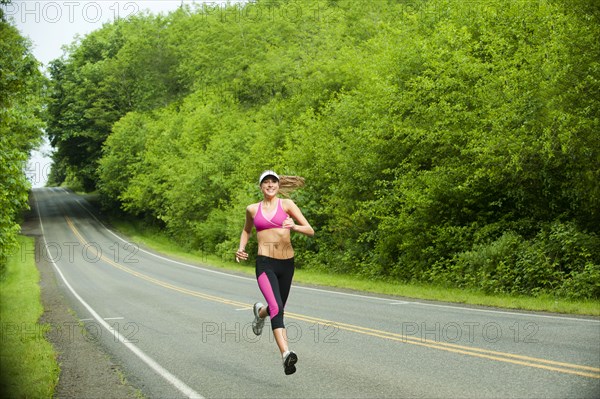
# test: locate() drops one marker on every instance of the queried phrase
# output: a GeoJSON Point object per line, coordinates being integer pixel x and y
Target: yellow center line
{"type": "Point", "coordinates": [551, 365]}
{"type": "Point", "coordinates": [466, 350]}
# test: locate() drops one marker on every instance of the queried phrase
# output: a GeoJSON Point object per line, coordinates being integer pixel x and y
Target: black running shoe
{"type": "Point", "coordinates": [289, 362]}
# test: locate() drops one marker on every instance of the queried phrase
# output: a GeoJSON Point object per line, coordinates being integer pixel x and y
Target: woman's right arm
{"type": "Point", "coordinates": [246, 232]}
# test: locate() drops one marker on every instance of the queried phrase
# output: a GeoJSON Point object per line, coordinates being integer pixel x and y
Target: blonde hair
{"type": "Point", "coordinates": [287, 184]}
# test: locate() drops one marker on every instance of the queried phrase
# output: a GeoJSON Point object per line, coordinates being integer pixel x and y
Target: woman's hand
{"type": "Point", "coordinates": [296, 220]}
{"type": "Point", "coordinates": [289, 223]}
{"type": "Point", "coordinates": [241, 254]}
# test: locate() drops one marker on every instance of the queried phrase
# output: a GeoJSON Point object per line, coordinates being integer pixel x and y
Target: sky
{"type": "Point", "coordinates": [52, 24]}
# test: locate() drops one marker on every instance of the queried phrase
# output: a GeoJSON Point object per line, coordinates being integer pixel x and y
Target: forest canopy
{"type": "Point", "coordinates": [443, 141]}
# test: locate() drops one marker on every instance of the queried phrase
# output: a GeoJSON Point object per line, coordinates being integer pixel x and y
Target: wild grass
{"type": "Point", "coordinates": [28, 365]}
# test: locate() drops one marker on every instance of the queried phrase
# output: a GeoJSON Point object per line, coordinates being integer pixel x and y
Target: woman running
{"type": "Point", "coordinates": [274, 218]}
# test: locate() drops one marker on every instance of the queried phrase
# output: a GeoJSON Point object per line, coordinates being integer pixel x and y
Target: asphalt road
{"type": "Point", "coordinates": [182, 330]}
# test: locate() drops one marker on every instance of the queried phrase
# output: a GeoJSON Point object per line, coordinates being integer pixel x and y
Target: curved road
{"type": "Point", "coordinates": [181, 330]}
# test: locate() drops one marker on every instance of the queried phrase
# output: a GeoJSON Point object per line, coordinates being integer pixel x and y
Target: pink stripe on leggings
{"type": "Point", "coordinates": [265, 287]}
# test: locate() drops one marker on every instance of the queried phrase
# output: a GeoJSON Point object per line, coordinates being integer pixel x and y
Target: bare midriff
{"type": "Point", "coordinates": [275, 243]}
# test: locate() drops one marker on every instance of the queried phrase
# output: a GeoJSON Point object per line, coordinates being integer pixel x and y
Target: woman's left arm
{"type": "Point", "coordinates": [300, 225]}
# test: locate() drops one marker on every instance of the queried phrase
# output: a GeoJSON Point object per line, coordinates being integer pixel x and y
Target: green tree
{"type": "Point", "coordinates": [21, 95]}
{"type": "Point", "coordinates": [124, 66]}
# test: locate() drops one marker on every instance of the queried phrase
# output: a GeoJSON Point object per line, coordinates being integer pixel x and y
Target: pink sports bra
{"type": "Point", "coordinates": [276, 222]}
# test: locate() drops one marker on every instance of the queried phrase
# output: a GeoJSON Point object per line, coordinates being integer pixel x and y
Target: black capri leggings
{"type": "Point", "coordinates": [275, 280]}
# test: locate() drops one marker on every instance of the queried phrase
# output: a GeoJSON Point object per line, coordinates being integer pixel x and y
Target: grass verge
{"type": "Point", "coordinates": [158, 242]}
{"type": "Point", "coordinates": [28, 365]}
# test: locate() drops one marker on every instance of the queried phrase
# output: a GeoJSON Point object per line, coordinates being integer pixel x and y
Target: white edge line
{"type": "Point", "coordinates": [460, 308]}
{"type": "Point", "coordinates": [177, 383]}
{"type": "Point", "coordinates": [106, 318]}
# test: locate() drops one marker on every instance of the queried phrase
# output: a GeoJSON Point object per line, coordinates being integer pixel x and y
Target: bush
{"type": "Point", "coordinates": [560, 260]}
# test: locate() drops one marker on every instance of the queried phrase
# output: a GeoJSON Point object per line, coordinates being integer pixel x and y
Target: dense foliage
{"type": "Point", "coordinates": [443, 141]}
{"type": "Point", "coordinates": [21, 97]}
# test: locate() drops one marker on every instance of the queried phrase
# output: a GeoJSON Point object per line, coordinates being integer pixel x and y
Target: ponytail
{"type": "Point", "coordinates": [287, 184]}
